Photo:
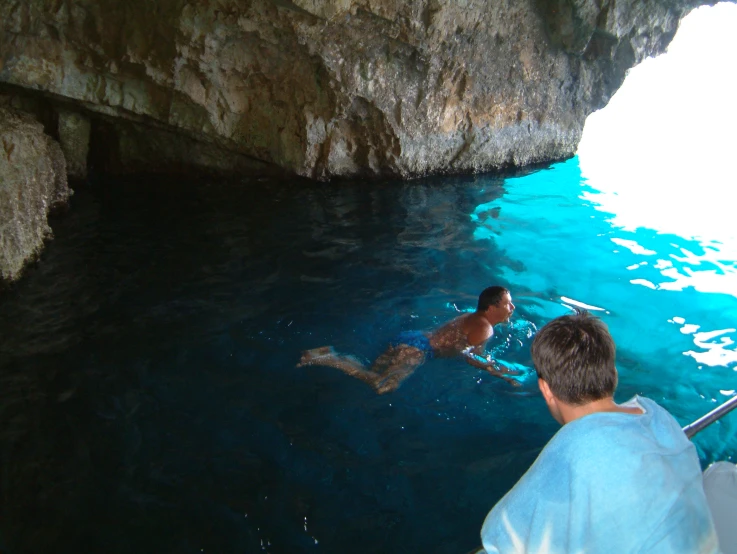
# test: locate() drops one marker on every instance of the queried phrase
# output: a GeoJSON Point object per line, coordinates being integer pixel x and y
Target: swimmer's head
{"type": "Point", "coordinates": [496, 303]}
{"type": "Point", "coordinates": [575, 355]}
{"type": "Point", "coordinates": [491, 296]}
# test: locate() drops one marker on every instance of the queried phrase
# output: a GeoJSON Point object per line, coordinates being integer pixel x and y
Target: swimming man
{"type": "Point", "coordinates": [464, 336]}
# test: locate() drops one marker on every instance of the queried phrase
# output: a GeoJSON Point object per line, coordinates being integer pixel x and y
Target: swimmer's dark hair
{"type": "Point", "coordinates": [490, 296]}
{"type": "Point", "coordinates": [575, 355]}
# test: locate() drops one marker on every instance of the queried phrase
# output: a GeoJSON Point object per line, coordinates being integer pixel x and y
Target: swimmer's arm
{"type": "Point", "coordinates": [473, 356]}
{"type": "Point", "coordinates": [475, 350]}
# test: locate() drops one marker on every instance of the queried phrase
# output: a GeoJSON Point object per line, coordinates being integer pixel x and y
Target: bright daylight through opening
{"type": "Point", "coordinates": [661, 152]}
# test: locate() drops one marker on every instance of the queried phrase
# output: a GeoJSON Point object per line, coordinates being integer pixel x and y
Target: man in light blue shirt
{"type": "Point", "coordinates": [616, 478]}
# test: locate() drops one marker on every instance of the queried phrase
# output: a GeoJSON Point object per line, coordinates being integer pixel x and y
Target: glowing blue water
{"type": "Point", "coordinates": [149, 400]}
{"type": "Point", "coordinates": [670, 301]}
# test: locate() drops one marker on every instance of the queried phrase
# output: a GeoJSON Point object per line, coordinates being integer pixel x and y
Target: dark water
{"type": "Point", "coordinates": [149, 400]}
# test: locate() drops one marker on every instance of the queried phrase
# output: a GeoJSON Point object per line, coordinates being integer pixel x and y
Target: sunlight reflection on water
{"type": "Point", "coordinates": [661, 178]}
{"type": "Point", "coordinates": [668, 295]}
{"type": "Point", "coordinates": [651, 164]}
{"type": "Point", "coordinates": [706, 263]}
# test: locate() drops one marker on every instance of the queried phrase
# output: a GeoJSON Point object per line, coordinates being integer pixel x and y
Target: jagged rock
{"type": "Point", "coordinates": [32, 182]}
{"type": "Point", "coordinates": [329, 88]}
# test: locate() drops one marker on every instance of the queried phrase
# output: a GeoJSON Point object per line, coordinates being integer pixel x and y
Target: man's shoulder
{"type": "Point", "coordinates": [471, 327]}
{"type": "Point", "coordinates": [478, 324]}
{"type": "Point", "coordinates": [608, 439]}
{"type": "Point", "coordinates": [600, 474]}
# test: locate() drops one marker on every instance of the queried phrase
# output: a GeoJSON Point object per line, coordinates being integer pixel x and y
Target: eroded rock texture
{"type": "Point", "coordinates": [74, 138]}
{"type": "Point", "coordinates": [329, 88]}
{"type": "Point", "coordinates": [33, 181]}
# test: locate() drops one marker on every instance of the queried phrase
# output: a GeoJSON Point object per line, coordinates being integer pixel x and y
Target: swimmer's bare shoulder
{"type": "Point", "coordinates": [460, 333]}
{"type": "Point", "coordinates": [477, 330]}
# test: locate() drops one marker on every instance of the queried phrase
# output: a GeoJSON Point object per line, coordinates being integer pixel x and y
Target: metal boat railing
{"type": "Point", "coordinates": [711, 417]}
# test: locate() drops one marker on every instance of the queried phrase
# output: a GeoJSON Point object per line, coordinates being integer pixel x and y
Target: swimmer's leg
{"type": "Point", "coordinates": [395, 365]}
{"type": "Point", "coordinates": [326, 356]}
{"type": "Point", "coordinates": [313, 356]}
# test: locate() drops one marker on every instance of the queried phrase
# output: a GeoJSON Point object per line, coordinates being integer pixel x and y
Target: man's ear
{"type": "Point", "coordinates": [556, 407]}
{"type": "Point", "coordinates": [545, 389]}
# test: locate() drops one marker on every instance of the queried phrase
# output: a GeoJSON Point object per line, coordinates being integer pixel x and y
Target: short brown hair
{"type": "Point", "coordinates": [575, 355]}
{"type": "Point", "coordinates": [490, 296]}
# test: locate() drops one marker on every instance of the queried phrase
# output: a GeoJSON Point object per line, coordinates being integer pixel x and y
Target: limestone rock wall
{"type": "Point", "coordinates": [326, 88]}
{"type": "Point", "coordinates": [32, 182]}
{"type": "Point", "coordinates": [74, 139]}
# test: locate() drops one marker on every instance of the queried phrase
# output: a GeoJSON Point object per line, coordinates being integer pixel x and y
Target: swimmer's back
{"type": "Point", "coordinates": [454, 337]}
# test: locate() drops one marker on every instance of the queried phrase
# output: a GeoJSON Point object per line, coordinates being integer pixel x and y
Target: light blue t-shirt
{"type": "Point", "coordinates": [608, 483]}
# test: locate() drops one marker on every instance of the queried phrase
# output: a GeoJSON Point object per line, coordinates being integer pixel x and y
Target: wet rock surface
{"type": "Point", "coordinates": [332, 88]}
{"type": "Point", "coordinates": [33, 182]}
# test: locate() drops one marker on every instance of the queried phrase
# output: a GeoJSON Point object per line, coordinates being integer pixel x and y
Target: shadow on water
{"type": "Point", "coordinates": [149, 400]}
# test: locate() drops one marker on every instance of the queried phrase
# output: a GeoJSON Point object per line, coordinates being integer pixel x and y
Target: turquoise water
{"type": "Point", "coordinates": [670, 301]}
{"type": "Point", "coordinates": [149, 400]}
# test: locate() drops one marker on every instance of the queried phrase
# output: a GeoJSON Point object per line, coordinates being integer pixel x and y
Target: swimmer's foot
{"type": "Point", "coordinates": [315, 355]}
